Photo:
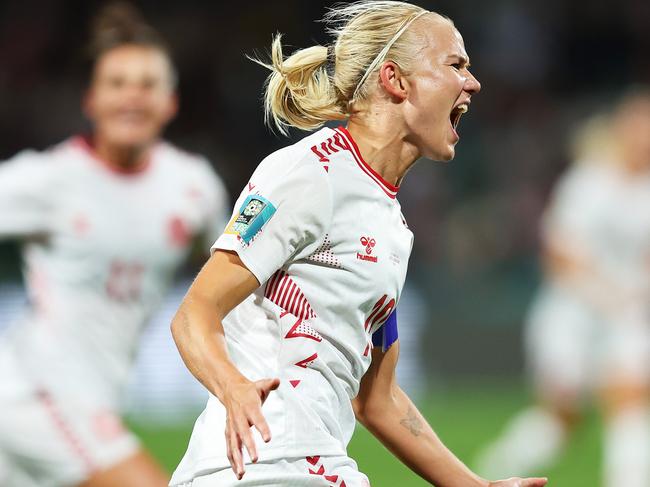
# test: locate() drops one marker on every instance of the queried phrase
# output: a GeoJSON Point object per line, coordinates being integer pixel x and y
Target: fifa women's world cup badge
{"type": "Point", "coordinates": [253, 214]}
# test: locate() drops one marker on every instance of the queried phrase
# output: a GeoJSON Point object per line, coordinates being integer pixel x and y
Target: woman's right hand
{"type": "Point", "coordinates": [243, 402]}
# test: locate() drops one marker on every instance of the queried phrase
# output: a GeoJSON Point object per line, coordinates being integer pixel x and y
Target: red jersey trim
{"type": "Point", "coordinates": [85, 144]}
{"type": "Point", "coordinates": [283, 291]}
{"type": "Point", "coordinates": [390, 189]}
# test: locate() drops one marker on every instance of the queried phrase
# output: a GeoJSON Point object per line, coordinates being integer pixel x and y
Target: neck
{"type": "Point", "coordinates": [125, 158]}
{"type": "Point", "coordinates": [382, 147]}
{"type": "Point", "coordinates": [634, 166]}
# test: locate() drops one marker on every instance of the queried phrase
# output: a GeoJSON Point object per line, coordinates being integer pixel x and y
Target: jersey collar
{"type": "Point", "coordinates": [390, 189]}
{"type": "Point", "coordinates": [84, 142]}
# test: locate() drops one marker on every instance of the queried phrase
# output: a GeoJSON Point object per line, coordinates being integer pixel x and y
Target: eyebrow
{"type": "Point", "coordinates": [462, 59]}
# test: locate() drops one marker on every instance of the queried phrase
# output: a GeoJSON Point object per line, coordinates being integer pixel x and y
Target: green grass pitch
{"type": "Point", "coordinates": [464, 417]}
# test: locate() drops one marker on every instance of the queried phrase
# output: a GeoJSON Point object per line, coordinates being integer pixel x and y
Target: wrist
{"type": "Point", "coordinates": [225, 378]}
{"type": "Point", "coordinates": [480, 482]}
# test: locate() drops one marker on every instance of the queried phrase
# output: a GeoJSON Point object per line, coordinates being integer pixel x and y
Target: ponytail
{"type": "Point", "coordinates": [299, 91]}
{"type": "Point", "coordinates": [318, 84]}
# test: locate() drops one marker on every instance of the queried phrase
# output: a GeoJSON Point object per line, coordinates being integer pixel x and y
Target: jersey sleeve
{"type": "Point", "coordinates": [25, 195]}
{"type": "Point", "coordinates": [281, 215]}
{"type": "Point", "coordinates": [574, 210]}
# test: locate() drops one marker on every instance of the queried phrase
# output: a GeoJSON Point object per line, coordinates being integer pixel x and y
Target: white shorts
{"type": "Point", "coordinates": [299, 472]}
{"type": "Point", "coordinates": [573, 347]}
{"type": "Point", "coordinates": [48, 438]}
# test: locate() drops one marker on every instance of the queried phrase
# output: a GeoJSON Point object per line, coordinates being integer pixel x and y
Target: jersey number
{"type": "Point", "coordinates": [124, 280]}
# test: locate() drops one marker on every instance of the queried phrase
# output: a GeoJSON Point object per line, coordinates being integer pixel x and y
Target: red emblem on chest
{"type": "Point", "coordinates": [369, 244]}
{"type": "Point", "coordinates": [81, 224]}
{"type": "Point", "coordinates": [179, 233]}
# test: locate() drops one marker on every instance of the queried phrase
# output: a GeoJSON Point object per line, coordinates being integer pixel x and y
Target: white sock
{"type": "Point", "coordinates": [627, 449]}
{"type": "Point", "coordinates": [531, 441]}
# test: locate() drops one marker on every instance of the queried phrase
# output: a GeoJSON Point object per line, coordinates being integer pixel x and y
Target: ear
{"type": "Point", "coordinates": [172, 106]}
{"type": "Point", "coordinates": [392, 80]}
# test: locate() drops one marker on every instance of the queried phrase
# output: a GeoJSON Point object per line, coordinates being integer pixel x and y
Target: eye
{"type": "Point", "coordinates": [149, 83]}
{"type": "Point", "coordinates": [456, 66]}
{"type": "Point", "coordinates": [115, 82]}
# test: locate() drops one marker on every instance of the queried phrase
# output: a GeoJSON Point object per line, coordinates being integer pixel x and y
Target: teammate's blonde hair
{"type": "Point", "coordinates": [592, 141]}
{"type": "Point", "coordinates": [318, 84]}
{"type": "Point", "coordinates": [598, 138]}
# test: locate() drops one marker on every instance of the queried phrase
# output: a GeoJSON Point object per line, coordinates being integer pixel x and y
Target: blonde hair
{"type": "Point", "coordinates": [592, 141]}
{"type": "Point", "coordinates": [318, 84]}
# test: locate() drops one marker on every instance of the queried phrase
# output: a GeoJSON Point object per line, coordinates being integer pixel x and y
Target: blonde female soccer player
{"type": "Point", "coordinates": [291, 324]}
{"type": "Point", "coordinates": [588, 332]}
{"type": "Point", "coordinates": [104, 220]}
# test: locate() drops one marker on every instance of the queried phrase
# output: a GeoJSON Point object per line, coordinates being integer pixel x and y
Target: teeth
{"type": "Point", "coordinates": [457, 112]}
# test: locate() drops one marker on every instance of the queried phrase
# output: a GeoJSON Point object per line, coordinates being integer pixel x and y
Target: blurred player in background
{"type": "Point", "coordinates": [280, 323]}
{"type": "Point", "coordinates": [105, 220]}
{"type": "Point", "coordinates": [589, 328]}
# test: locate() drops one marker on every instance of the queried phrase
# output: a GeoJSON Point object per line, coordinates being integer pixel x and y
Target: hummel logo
{"type": "Point", "coordinates": [368, 243]}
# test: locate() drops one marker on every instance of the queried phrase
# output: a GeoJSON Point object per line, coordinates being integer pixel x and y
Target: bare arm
{"type": "Point", "coordinates": [222, 284]}
{"type": "Point", "coordinates": [388, 413]}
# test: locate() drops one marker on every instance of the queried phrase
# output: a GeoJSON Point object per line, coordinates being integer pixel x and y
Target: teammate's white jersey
{"type": "Point", "coordinates": [575, 337]}
{"type": "Point", "coordinates": [324, 235]}
{"type": "Point", "coordinates": [100, 247]}
{"type": "Point", "coordinates": [604, 214]}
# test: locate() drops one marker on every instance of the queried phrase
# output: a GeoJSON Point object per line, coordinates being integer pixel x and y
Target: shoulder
{"type": "Point", "coordinates": [172, 155]}
{"type": "Point", "coordinates": [580, 195]}
{"type": "Point", "coordinates": [179, 163]}
{"type": "Point", "coordinates": [50, 160]}
{"type": "Point", "coordinates": [292, 180]}
{"type": "Point", "coordinates": [296, 162]}
{"type": "Point", "coordinates": [574, 177]}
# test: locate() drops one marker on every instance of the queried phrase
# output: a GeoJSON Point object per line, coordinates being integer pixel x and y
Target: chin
{"type": "Point", "coordinates": [132, 138]}
{"type": "Point", "coordinates": [445, 155]}
{"type": "Point", "coordinates": [440, 148]}
{"type": "Point", "coordinates": [448, 156]}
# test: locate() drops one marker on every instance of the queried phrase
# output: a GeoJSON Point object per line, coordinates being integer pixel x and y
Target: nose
{"type": "Point", "coordinates": [472, 85]}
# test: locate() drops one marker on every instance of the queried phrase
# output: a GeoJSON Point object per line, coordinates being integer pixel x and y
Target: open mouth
{"type": "Point", "coordinates": [456, 113]}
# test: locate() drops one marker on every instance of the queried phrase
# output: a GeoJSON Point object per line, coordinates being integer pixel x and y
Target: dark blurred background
{"type": "Point", "coordinates": [543, 64]}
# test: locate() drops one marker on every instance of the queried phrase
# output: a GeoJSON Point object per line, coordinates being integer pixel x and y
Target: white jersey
{"type": "Point", "coordinates": [325, 236]}
{"type": "Point", "coordinates": [100, 248]}
{"type": "Point", "coordinates": [605, 215]}
{"type": "Point", "coordinates": [601, 216]}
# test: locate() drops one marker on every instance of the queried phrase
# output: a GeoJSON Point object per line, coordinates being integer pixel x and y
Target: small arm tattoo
{"type": "Point", "coordinates": [412, 422]}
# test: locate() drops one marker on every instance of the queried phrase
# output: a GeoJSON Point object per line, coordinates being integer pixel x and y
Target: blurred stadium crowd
{"type": "Point", "coordinates": [544, 65]}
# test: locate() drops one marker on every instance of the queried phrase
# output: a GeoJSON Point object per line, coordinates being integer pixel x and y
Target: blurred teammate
{"type": "Point", "coordinates": [280, 323]}
{"type": "Point", "coordinates": [104, 220]}
{"type": "Point", "coordinates": [589, 328]}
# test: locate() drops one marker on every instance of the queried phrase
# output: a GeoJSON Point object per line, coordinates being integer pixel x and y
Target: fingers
{"type": "Point", "coordinates": [518, 482]}
{"type": "Point", "coordinates": [535, 482]}
{"type": "Point", "coordinates": [247, 438]}
{"type": "Point", "coordinates": [244, 412]}
{"type": "Point", "coordinates": [261, 425]}
{"type": "Point", "coordinates": [265, 386]}
{"type": "Point", "coordinates": [234, 452]}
